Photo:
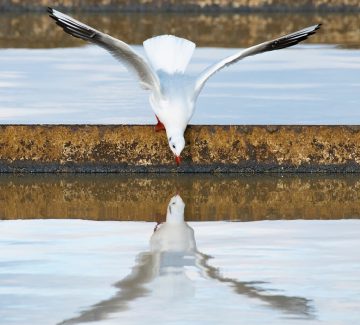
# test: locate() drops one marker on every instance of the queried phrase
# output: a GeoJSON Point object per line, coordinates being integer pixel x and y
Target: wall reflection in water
{"type": "Point", "coordinates": [241, 30]}
{"type": "Point", "coordinates": [208, 197]}
{"type": "Point", "coordinates": [161, 272]}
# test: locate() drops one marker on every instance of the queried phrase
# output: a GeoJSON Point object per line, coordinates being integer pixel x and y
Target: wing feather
{"type": "Point", "coordinates": [120, 50]}
{"type": "Point", "coordinates": [276, 44]}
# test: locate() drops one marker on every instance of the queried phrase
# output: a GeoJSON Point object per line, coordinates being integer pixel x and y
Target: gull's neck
{"type": "Point", "coordinates": [174, 218]}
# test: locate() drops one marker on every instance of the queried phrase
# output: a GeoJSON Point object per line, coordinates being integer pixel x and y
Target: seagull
{"type": "Point", "coordinates": [173, 93]}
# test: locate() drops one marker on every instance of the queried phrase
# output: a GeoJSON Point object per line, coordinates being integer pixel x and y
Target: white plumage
{"type": "Point", "coordinates": [173, 93]}
{"type": "Point", "coordinates": [169, 53]}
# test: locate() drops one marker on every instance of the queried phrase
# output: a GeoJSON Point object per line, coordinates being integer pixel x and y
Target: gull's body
{"type": "Point", "coordinates": [175, 105]}
{"type": "Point", "coordinates": [173, 93]}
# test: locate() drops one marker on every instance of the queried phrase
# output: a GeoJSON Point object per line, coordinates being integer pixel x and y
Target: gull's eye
{"type": "Point", "coordinates": [173, 146]}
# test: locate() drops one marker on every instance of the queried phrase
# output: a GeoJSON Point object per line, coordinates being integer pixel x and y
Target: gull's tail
{"type": "Point", "coordinates": [169, 53]}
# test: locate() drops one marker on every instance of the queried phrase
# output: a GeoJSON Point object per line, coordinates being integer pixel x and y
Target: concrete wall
{"type": "Point", "coordinates": [132, 148]}
{"type": "Point", "coordinates": [188, 5]}
{"type": "Point", "coordinates": [32, 30]}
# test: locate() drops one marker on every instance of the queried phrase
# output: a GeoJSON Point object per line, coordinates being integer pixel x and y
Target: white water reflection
{"type": "Point", "coordinates": [278, 272]}
{"type": "Point", "coordinates": [161, 274]}
{"type": "Point", "coordinates": [307, 84]}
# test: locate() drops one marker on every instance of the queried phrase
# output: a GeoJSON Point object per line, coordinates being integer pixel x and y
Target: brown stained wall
{"type": "Point", "coordinates": [241, 30]}
{"type": "Point", "coordinates": [134, 148]}
{"type": "Point", "coordinates": [181, 5]}
{"type": "Point", "coordinates": [207, 197]}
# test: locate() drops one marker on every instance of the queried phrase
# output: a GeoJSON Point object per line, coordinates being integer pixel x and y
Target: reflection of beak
{"type": "Point", "coordinates": [178, 160]}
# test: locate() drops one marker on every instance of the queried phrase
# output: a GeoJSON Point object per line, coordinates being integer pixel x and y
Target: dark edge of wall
{"type": "Point", "coordinates": [35, 167]}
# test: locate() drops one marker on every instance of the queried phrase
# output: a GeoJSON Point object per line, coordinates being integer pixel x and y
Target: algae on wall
{"type": "Point", "coordinates": [137, 148]}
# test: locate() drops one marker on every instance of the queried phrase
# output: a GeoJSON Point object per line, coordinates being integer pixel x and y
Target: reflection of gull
{"type": "Point", "coordinates": [173, 247]}
{"type": "Point", "coordinates": [161, 272]}
{"type": "Point", "coordinates": [173, 93]}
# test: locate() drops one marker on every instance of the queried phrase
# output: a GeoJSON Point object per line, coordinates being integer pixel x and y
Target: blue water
{"type": "Point", "coordinates": [86, 272]}
{"type": "Point", "coordinates": [307, 84]}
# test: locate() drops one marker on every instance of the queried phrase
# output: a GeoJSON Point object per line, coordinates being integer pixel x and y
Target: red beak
{"type": "Point", "coordinates": [178, 160]}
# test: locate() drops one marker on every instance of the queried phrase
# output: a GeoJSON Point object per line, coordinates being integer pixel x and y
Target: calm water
{"type": "Point", "coordinates": [278, 272]}
{"type": "Point", "coordinates": [297, 262]}
{"type": "Point", "coordinates": [62, 80]}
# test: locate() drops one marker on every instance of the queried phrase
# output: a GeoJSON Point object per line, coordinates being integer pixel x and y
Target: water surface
{"type": "Point", "coordinates": [63, 80]}
{"type": "Point", "coordinates": [178, 272]}
{"type": "Point", "coordinates": [140, 197]}
{"type": "Point", "coordinates": [294, 261]}
{"type": "Point", "coordinates": [304, 85]}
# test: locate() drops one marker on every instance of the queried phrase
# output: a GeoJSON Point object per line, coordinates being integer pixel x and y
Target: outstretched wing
{"type": "Point", "coordinates": [277, 44]}
{"type": "Point", "coordinates": [120, 50]}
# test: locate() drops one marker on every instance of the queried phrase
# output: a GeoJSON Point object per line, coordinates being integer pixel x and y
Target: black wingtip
{"type": "Point", "coordinates": [51, 13]}
{"type": "Point", "coordinates": [292, 39]}
{"type": "Point", "coordinates": [72, 26]}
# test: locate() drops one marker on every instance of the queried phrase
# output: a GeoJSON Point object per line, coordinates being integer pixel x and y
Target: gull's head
{"type": "Point", "coordinates": [175, 212]}
{"type": "Point", "coordinates": [176, 144]}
